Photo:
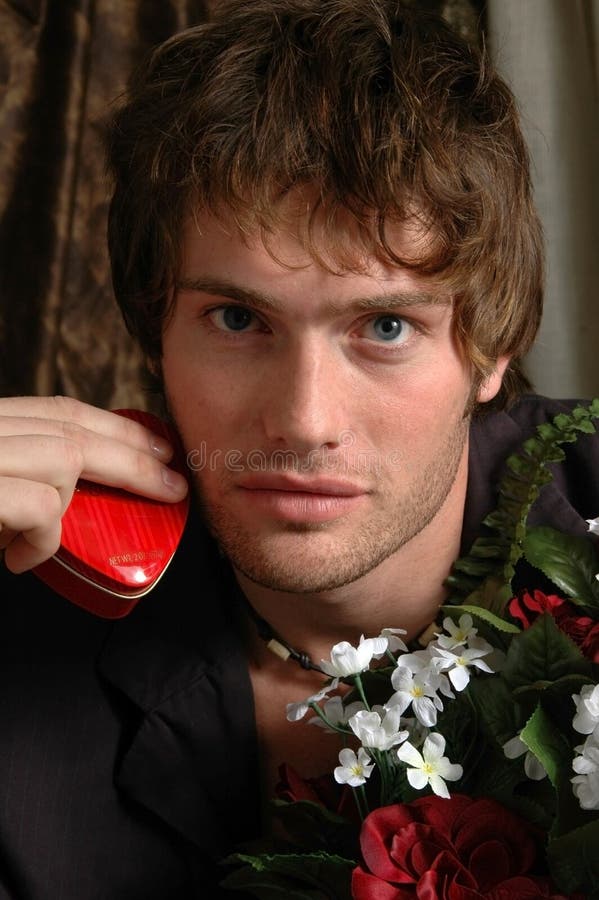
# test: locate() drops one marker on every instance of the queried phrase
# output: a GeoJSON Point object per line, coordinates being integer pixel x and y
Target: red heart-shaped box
{"type": "Point", "coordinates": [116, 545]}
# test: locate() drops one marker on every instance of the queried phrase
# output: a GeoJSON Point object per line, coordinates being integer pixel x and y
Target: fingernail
{"type": "Point", "coordinates": [174, 481]}
{"type": "Point", "coordinates": [160, 447]}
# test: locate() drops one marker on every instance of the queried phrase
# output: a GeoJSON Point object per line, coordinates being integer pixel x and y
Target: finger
{"type": "Point", "coordinates": [31, 548]}
{"type": "Point", "coordinates": [63, 415]}
{"type": "Point", "coordinates": [6, 535]}
{"type": "Point", "coordinates": [60, 462]}
{"type": "Point", "coordinates": [37, 463]}
{"type": "Point", "coordinates": [31, 522]}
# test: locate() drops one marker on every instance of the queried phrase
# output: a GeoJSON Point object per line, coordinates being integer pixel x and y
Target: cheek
{"type": "Point", "coordinates": [192, 399]}
{"type": "Point", "coordinates": [421, 403]}
{"type": "Point", "coordinates": [189, 381]}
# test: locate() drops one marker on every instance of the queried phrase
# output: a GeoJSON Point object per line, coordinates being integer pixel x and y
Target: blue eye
{"type": "Point", "coordinates": [233, 318]}
{"type": "Point", "coordinates": [389, 328]}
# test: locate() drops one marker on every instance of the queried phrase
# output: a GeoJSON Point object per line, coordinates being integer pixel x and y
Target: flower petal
{"type": "Point", "coordinates": [409, 754]}
{"type": "Point", "coordinates": [433, 747]}
{"type": "Point", "coordinates": [417, 778]}
{"type": "Point", "coordinates": [438, 786]}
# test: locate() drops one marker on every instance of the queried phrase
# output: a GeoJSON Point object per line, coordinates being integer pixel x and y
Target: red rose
{"type": "Point", "coordinates": [527, 607]}
{"type": "Point", "coordinates": [583, 630]}
{"type": "Point", "coordinates": [456, 849]}
{"type": "Point", "coordinates": [590, 643]}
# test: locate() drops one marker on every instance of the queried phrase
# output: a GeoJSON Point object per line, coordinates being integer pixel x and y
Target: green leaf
{"type": "Point", "coordinates": [484, 614]}
{"type": "Point", "coordinates": [548, 431]}
{"type": "Point", "coordinates": [291, 876]}
{"type": "Point", "coordinates": [573, 859]}
{"type": "Point", "coordinates": [562, 421]}
{"type": "Point", "coordinates": [587, 427]}
{"type": "Point", "coordinates": [491, 548]}
{"type": "Point", "coordinates": [542, 653]}
{"type": "Point", "coordinates": [472, 566]}
{"type": "Point", "coordinates": [552, 748]}
{"type": "Point", "coordinates": [497, 520]}
{"type": "Point", "coordinates": [569, 562]}
{"type": "Point", "coordinates": [556, 695]}
{"type": "Point", "coordinates": [521, 465]}
{"type": "Point", "coordinates": [501, 718]}
{"type": "Point", "coordinates": [538, 809]}
{"type": "Point", "coordinates": [548, 745]}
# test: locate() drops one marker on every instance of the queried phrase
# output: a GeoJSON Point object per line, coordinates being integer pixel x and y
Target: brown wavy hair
{"type": "Point", "coordinates": [380, 109]}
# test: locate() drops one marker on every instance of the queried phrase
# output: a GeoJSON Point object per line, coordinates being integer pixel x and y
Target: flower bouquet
{"type": "Point", "coordinates": [468, 765]}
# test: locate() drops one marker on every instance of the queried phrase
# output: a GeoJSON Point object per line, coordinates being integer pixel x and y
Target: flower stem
{"type": "Point", "coordinates": [383, 767]}
{"type": "Point", "coordinates": [358, 793]}
{"type": "Point", "coordinates": [361, 801]}
{"type": "Point", "coordinates": [360, 687]}
{"type": "Point", "coordinates": [365, 805]}
{"type": "Point", "coordinates": [328, 722]}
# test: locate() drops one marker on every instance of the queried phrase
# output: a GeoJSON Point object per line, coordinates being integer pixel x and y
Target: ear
{"type": "Point", "coordinates": [489, 388]}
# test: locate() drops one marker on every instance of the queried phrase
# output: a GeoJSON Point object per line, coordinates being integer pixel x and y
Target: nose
{"type": "Point", "coordinates": [305, 403]}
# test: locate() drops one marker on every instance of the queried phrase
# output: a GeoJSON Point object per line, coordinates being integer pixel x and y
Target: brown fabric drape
{"type": "Point", "coordinates": [62, 62]}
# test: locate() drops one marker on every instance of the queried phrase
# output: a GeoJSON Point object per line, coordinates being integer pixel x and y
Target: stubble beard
{"type": "Point", "coordinates": [305, 559]}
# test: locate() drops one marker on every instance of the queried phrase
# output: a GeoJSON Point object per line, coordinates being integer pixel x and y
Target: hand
{"type": "Point", "coordinates": [46, 445]}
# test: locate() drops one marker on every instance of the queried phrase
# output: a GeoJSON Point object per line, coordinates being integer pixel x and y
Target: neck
{"type": "Point", "coordinates": [404, 591]}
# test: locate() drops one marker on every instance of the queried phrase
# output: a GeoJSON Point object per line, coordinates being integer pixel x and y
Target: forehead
{"type": "Point", "coordinates": [302, 247]}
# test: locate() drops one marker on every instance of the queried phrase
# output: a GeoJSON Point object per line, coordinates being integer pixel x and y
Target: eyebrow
{"type": "Point", "coordinates": [268, 303]}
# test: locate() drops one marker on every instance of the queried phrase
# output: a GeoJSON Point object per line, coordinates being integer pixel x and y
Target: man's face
{"type": "Point", "coordinates": [323, 414]}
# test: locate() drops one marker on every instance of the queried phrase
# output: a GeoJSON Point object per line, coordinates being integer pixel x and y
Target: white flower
{"type": "Point", "coordinates": [336, 712]}
{"type": "Point", "coordinates": [394, 642]}
{"type": "Point", "coordinates": [457, 663]}
{"type": "Point", "coordinates": [430, 766]}
{"type": "Point", "coordinates": [458, 634]}
{"type": "Point", "coordinates": [347, 660]}
{"type": "Point", "coordinates": [587, 709]}
{"type": "Point", "coordinates": [532, 767]}
{"type": "Point", "coordinates": [380, 732]}
{"type": "Point", "coordinates": [419, 690]}
{"type": "Point", "coordinates": [427, 666]}
{"type": "Point", "coordinates": [586, 790]}
{"type": "Point", "coordinates": [418, 661]}
{"type": "Point", "coordinates": [585, 783]}
{"type": "Point", "coordinates": [593, 525]}
{"type": "Point", "coordinates": [354, 770]}
{"type": "Point", "coordinates": [297, 711]}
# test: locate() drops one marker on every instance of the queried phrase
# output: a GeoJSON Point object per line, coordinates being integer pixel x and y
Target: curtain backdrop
{"type": "Point", "coordinates": [62, 62]}
{"type": "Point", "coordinates": [548, 50]}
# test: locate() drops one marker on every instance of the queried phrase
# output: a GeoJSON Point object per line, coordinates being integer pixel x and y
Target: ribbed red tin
{"type": "Point", "coordinates": [115, 545]}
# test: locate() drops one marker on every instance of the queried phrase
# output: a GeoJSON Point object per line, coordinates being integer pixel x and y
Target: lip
{"type": "Point", "coordinates": [300, 501]}
{"type": "Point", "coordinates": [328, 487]}
{"type": "Point", "coordinates": [300, 507]}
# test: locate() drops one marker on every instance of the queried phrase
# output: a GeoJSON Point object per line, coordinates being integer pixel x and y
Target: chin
{"type": "Point", "coordinates": [306, 566]}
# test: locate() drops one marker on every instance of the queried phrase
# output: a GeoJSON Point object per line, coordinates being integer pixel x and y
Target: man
{"type": "Point", "coordinates": [323, 237]}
